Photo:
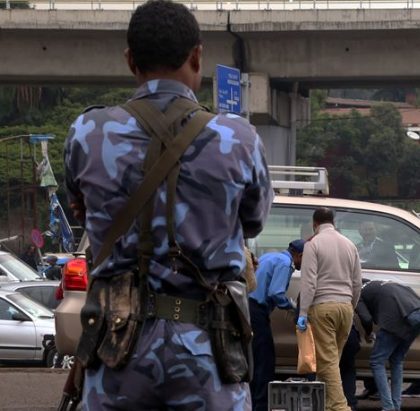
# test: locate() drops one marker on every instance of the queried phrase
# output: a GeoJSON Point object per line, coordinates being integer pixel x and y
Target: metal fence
{"type": "Point", "coordinates": [217, 5]}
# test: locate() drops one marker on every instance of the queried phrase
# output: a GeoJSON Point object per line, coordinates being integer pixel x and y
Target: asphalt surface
{"type": "Point", "coordinates": [31, 389]}
{"type": "Point", "coordinates": [412, 404]}
{"type": "Point", "coordinates": [39, 389]}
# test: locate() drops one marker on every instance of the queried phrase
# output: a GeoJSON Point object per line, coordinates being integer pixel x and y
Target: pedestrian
{"type": "Point", "coordinates": [273, 276]}
{"type": "Point", "coordinates": [185, 248]}
{"type": "Point", "coordinates": [53, 271]}
{"type": "Point", "coordinates": [29, 257]}
{"type": "Point", "coordinates": [329, 291]}
{"type": "Point", "coordinates": [391, 306]}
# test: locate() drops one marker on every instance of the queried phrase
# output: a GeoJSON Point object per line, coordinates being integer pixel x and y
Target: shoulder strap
{"type": "Point", "coordinates": [152, 180]}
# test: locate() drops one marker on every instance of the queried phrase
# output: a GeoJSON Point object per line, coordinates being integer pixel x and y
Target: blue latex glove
{"type": "Point", "coordinates": [301, 322]}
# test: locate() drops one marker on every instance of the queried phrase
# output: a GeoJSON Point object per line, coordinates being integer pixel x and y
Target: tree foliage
{"type": "Point", "coordinates": [26, 110]}
{"type": "Point", "coordinates": [366, 156]}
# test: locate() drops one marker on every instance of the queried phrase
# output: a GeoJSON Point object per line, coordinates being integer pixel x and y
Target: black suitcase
{"type": "Point", "coordinates": [296, 395]}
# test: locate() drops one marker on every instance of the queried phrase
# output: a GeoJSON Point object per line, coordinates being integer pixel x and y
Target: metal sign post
{"type": "Point", "coordinates": [228, 81]}
{"type": "Point", "coordinates": [246, 84]}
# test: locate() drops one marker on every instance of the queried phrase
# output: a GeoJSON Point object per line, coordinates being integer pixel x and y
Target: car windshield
{"type": "Point", "coordinates": [30, 306]}
{"type": "Point", "coordinates": [17, 268]}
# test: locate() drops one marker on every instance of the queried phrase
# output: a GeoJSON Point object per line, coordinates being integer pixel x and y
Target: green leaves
{"type": "Point", "coordinates": [366, 156]}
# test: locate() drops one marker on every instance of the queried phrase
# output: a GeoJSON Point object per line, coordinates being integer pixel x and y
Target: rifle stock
{"type": "Point", "coordinates": [72, 391]}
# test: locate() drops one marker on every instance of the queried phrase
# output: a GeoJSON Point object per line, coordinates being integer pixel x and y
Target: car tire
{"type": "Point", "coordinates": [49, 358]}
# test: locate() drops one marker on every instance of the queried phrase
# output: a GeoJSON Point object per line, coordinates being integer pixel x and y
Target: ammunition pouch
{"type": "Point", "coordinates": [92, 317]}
{"type": "Point", "coordinates": [231, 333]}
{"type": "Point", "coordinates": [110, 321]}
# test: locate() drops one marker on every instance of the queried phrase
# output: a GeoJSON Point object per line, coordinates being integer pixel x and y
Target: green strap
{"type": "Point", "coordinates": [155, 121]}
{"type": "Point", "coordinates": [160, 127]}
{"type": "Point", "coordinates": [151, 181]}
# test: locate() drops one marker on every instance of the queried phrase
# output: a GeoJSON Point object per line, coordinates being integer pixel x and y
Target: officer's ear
{"type": "Point", "coordinates": [195, 58]}
{"type": "Point", "coordinates": [130, 61]}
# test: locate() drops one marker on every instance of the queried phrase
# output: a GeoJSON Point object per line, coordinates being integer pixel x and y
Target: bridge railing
{"type": "Point", "coordinates": [218, 5]}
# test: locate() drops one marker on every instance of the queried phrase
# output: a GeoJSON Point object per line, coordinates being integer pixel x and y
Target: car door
{"type": "Point", "coordinates": [17, 338]}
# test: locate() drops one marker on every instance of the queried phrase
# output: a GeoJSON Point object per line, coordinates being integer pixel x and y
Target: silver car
{"type": "Point", "coordinates": [14, 269]}
{"type": "Point", "coordinates": [43, 292]}
{"type": "Point", "coordinates": [23, 325]}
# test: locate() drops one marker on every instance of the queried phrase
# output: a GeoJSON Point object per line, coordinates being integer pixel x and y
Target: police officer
{"type": "Point", "coordinates": [223, 195]}
{"type": "Point", "coordinates": [273, 276]}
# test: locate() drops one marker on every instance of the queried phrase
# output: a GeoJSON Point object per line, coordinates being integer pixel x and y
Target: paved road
{"type": "Point", "coordinates": [39, 389]}
{"type": "Point", "coordinates": [30, 389]}
{"type": "Point", "coordinates": [409, 404]}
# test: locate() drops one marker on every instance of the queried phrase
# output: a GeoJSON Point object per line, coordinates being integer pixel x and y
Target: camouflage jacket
{"type": "Point", "coordinates": [223, 193]}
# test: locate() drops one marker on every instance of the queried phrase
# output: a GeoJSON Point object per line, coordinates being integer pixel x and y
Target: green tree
{"type": "Point", "coordinates": [408, 175]}
{"type": "Point", "coordinates": [18, 4]}
{"type": "Point", "coordinates": [362, 154]}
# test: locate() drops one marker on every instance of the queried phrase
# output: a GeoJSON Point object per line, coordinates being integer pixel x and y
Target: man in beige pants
{"type": "Point", "coordinates": [330, 288]}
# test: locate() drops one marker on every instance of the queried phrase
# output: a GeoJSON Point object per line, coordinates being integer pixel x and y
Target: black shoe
{"type": "Point", "coordinates": [413, 391]}
{"type": "Point", "coordinates": [365, 394]}
{"type": "Point", "coordinates": [375, 397]}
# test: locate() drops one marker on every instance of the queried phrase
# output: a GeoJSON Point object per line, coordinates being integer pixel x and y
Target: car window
{"type": "Point", "coordinates": [17, 268]}
{"type": "Point", "coordinates": [6, 310]}
{"type": "Point", "coordinates": [45, 295]}
{"type": "Point", "coordinates": [383, 241]}
{"type": "Point", "coordinates": [3, 276]}
{"type": "Point", "coordinates": [30, 306]}
{"type": "Point", "coordinates": [284, 224]}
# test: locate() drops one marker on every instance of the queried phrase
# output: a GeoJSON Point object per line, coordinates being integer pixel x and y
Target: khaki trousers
{"type": "Point", "coordinates": [331, 323]}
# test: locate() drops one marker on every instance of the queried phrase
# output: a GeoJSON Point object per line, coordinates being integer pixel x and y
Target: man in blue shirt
{"type": "Point", "coordinates": [273, 276]}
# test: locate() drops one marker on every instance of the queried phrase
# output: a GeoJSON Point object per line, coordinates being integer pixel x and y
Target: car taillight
{"type": "Point", "coordinates": [75, 275]}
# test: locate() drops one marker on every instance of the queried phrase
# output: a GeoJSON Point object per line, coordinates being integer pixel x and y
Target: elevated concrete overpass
{"type": "Point", "coordinates": [317, 48]}
{"type": "Point", "coordinates": [290, 51]}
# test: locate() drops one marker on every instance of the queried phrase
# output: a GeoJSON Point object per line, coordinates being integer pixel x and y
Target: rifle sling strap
{"type": "Point", "coordinates": [152, 179]}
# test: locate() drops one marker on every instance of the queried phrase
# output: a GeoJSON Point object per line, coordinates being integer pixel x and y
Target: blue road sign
{"type": "Point", "coordinates": [228, 89]}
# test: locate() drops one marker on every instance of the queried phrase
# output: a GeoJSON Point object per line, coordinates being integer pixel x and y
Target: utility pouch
{"type": "Point", "coordinates": [121, 320]}
{"type": "Point", "coordinates": [230, 332]}
{"type": "Point", "coordinates": [92, 317]}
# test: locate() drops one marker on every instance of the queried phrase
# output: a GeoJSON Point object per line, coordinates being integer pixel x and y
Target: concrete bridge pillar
{"type": "Point", "coordinates": [277, 113]}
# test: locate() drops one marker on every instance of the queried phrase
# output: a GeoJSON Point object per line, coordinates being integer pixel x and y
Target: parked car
{"type": "Point", "coordinates": [14, 269]}
{"type": "Point", "coordinates": [67, 314]}
{"type": "Point", "coordinates": [23, 326]}
{"type": "Point", "coordinates": [42, 292]}
{"type": "Point", "coordinates": [297, 196]}
{"type": "Point", "coordinates": [291, 218]}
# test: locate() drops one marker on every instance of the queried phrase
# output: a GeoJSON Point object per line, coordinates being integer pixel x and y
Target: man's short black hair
{"type": "Point", "coordinates": [323, 215]}
{"type": "Point", "coordinates": [161, 35]}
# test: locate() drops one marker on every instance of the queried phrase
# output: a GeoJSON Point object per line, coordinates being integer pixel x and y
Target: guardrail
{"type": "Point", "coordinates": [218, 5]}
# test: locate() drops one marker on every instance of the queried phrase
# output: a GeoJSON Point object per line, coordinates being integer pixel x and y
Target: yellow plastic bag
{"type": "Point", "coordinates": [306, 345]}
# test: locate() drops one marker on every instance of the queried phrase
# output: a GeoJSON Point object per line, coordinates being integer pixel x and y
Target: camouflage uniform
{"type": "Point", "coordinates": [223, 195]}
